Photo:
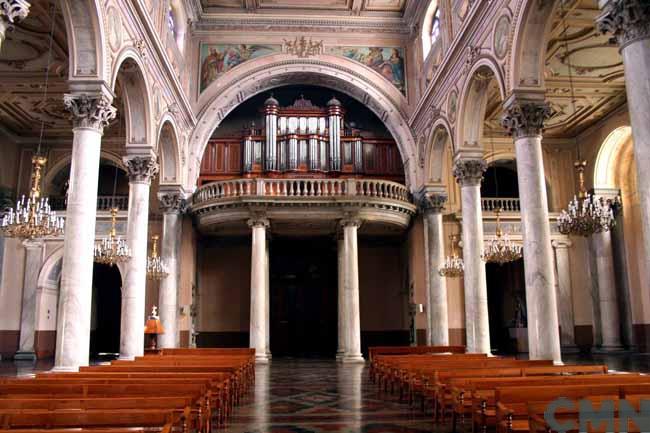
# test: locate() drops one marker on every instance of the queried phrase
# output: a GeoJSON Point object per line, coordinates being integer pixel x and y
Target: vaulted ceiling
{"type": "Point", "coordinates": [308, 7]}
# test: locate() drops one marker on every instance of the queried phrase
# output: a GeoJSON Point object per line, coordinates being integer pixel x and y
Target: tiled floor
{"type": "Point", "coordinates": [321, 396]}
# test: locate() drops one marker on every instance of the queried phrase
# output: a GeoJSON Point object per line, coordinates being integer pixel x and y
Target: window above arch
{"type": "Point", "coordinates": [435, 27]}
{"type": "Point", "coordinates": [431, 28]}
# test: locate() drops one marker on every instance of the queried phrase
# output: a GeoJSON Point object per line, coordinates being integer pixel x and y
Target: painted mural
{"type": "Point", "coordinates": [217, 59]}
{"type": "Point", "coordinates": [387, 61]}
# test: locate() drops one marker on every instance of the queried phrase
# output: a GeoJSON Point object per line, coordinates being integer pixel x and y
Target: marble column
{"type": "Point", "coordinates": [610, 326]}
{"type": "Point", "coordinates": [432, 203]}
{"type": "Point", "coordinates": [11, 12]}
{"type": "Point", "coordinates": [172, 204]}
{"type": "Point", "coordinates": [258, 289]}
{"type": "Point", "coordinates": [90, 114]}
{"type": "Point", "coordinates": [564, 294]}
{"type": "Point", "coordinates": [267, 298]}
{"type": "Point", "coordinates": [352, 326]}
{"type": "Point", "coordinates": [469, 173]}
{"type": "Point", "coordinates": [342, 314]}
{"type": "Point", "coordinates": [629, 22]}
{"type": "Point", "coordinates": [33, 263]}
{"type": "Point", "coordinates": [141, 171]}
{"type": "Point", "coordinates": [524, 120]}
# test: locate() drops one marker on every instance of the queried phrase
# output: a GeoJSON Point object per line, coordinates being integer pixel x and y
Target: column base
{"type": "Point", "coordinates": [339, 356]}
{"type": "Point", "coordinates": [261, 359]}
{"type": "Point", "coordinates": [25, 356]}
{"type": "Point", "coordinates": [269, 356]}
{"type": "Point", "coordinates": [64, 369]}
{"type": "Point", "coordinates": [353, 359]}
{"type": "Point", "coordinates": [125, 357]}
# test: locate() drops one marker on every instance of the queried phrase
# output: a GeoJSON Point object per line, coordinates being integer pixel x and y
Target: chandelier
{"type": "Point", "coordinates": [156, 266]}
{"type": "Point", "coordinates": [501, 249]}
{"type": "Point", "coordinates": [33, 217]}
{"type": "Point", "coordinates": [585, 214]}
{"type": "Point", "coordinates": [112, 249]}
{"type": "Point", "coordinates": [454, 266]}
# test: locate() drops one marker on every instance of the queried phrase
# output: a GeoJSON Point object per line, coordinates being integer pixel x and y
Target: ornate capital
{"type": "Point", "coordinates": [14, 10]}
{"type": "Point", "coordinates": [628, 20]}
{"type": "Point", "coordinates": [89, 110]}
{"type": "Point", "coordinates": [350, 222]}
{"type": "Point", "coordinates": [172, 202]}
{"type": "Point", "coordinates": [141, 169]}
{"type": "Point", "coordinates": [433, 202]}
{"type": "Point", "coordinates": [525, 119]}
{"type": "Point", "coordinates": [469, 172]}
{"type": "Point", "coordinates": [259, 221]}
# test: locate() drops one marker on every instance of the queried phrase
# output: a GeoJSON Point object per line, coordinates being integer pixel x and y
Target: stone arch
{"type": "Point", "coordinates": [168, 149]}
{"type": "Point", "coordinates": [532, 20]}
{"type": "Point", "coordinates": [473, 101]}
{"type": "Point", "coordinates": [62, 163]}
{"type": "Point", "coordinates": [86, 39]}
{"type": "Point", "coordinates": [128, 73]}
{"type": "Point", "coordinates": [439, 149]}
{"type": "Point", "coordinates": [266, 73]}
{"type": "Point", "coordinates": [607, 162]}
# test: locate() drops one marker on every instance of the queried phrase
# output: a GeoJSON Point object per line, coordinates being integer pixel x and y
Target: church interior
{"type": "Point", "coordinates": [269, 216]}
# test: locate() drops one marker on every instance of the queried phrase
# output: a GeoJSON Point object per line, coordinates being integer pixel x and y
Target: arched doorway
{"type": "Point", "coordinates": [106, 308]}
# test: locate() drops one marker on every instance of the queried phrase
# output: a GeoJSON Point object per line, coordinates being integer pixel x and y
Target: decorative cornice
{"type": "Point", "coordinates": [525, 119]}
{"type": "Point", "coordinates": [89, 110]}
{"type": "Point", "coordinates": [627, 20]}
{"type": "Point", "coordinates": [469, 172]}
{"type": "Point", "coordinates": [14, 10]}
{"type": "Point", "coordinates": [141, 169]}
{"type": "Point", "coordinates": [172, 202]}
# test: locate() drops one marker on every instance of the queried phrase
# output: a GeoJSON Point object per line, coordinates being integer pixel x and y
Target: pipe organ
{"type": "Point", "coordinates": [301, 140]}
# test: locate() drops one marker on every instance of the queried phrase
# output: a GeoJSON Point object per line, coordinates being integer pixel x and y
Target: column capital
{"type": "Point", "coordinates": [141, 169]}
{"type": "Point", "coordinates": [259, 221]}
{"type": "Point", "coordinates": [627, 20]}
{"type": "Point", "coordinates": [350, 221]}
{"type": "Point", "coordinates": [469, 172]}
{"type": "Point", "coordinates": [525, 118]}
{"type": "Point", "coordinates": [172, 202]}
{"type": "Point", "coordinates": [32, 244]}
{"type": "Point", "coordinates": [89, 110]}
{"type": "Point", "coordinates": [433, 202]}
{"type": "Point", "coordinates": [14, 10]}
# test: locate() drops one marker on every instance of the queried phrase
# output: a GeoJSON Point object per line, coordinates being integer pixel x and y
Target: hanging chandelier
{"type": "Point", "coordinates": [112, 249]}
{"type": "Point", "coordinates": [454, 266]}
{"type": "Point", "coordinates": [501, 249]}
{"type": "Point", "coordinates": [33, 216]}
{"type": "Point", "coordinates": [156, 266]}
{"type": "Point", "coordinates": [585, 214]}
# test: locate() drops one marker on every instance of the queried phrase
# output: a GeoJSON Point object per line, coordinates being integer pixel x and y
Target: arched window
{"type": "Point", "coordinates": [435, 27]}
{"type": "Point", "coordinates": [171, 21]}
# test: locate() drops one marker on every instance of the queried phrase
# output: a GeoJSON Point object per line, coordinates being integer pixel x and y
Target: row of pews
{"type": "Point", "coordinates": [175, 391]}
{"type": "Point", "coordinates": [487, 394]}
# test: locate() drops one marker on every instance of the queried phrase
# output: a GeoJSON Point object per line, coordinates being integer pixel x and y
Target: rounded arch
{"type": "Point", "coordinates": [266, 73]}
{"type": "Point", "coordinates": [532, 23]}
{"type": "Point", "coordinates": [168, 149]}
{"type": "Point", "coordinates": [65, 161]}
{"type": "Point", "coordinates": [607, 161]}
{"type": "Point", "coordinates": [86, 38]}
{"type": "Point", "coordinates": [50, 273]}
{"type": "Point", "coordinates": [128, 74]}
{"type": "Point", "coordinates": [439, 149]}
{"type": "Point", "coordinates": [473, 102]}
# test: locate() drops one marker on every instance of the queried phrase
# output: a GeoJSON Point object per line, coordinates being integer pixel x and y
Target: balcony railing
{"type": "Point", "coordinates": [301, 188]}
{"type": "Point", "coordinates": [506, 204]}
{"type": "Point", "coordinates": [104, 202]}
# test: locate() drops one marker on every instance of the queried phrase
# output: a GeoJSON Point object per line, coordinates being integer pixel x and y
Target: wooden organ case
{"type": "Point", "coordinates": [301, 141]}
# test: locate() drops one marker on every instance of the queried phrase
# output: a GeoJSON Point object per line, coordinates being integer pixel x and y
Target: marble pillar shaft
{"type": "Point", "coordinates": [564, 295]}
{"type": "Point", "coordinates": [33, 263]}
{"type": "Point", "coordinates": [168, 293]}
{"type": "Point", "coordinates": [351, 283]}
{"type": "Point", "coordinates": [543, 328]}
{"type": "Point", "coordinates": [607, 296]}
{"type": "Point", "coordinates": [437, 315]}
{"type": "Point", "coordinates": [134, 290]}
{"type": "Point", "coordinates": [342, 314]}
{"type": "Point", "coordinates": [476, 308]}
{"type": "Point", "coordinates": [258, 293]}
{"type": "Point", "coordinates": [267, 298]}
{"type": "Point", "coordinates": [73, 318]}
